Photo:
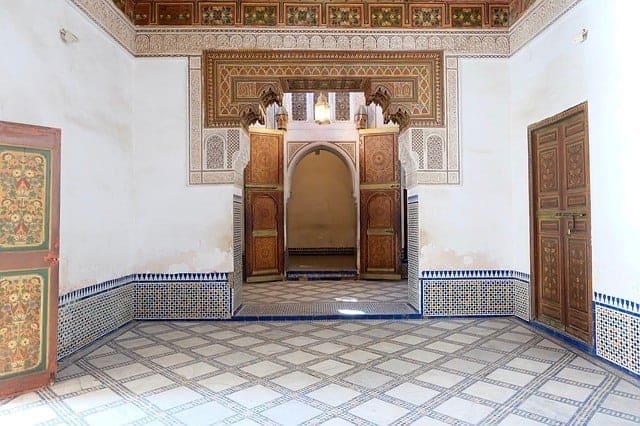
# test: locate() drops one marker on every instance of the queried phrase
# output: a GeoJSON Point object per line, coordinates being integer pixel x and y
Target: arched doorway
{"type": "Point", "coordinates": [321, 214]}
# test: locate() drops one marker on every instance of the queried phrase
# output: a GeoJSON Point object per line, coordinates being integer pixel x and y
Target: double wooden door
{"type": "Point", "coordinates": [264, 212]}
{"type": "Point", "coordinates": [561, 225]}
{"type": "Point", "coordinates": [379, 206]}
{"type": "Point", "coordinates": [29, 224]}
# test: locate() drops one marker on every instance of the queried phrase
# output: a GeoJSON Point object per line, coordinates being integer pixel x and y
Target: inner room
{"type": "Point", "coordinates": [342, 223]}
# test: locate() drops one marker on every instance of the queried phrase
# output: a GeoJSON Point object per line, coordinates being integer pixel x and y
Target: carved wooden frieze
{"type": "Point", "coordinates": [407, 85]}
{"type": "Point", "coordinates": [319, 13]}
{"type": "Point", "coordinates": [346, 27]}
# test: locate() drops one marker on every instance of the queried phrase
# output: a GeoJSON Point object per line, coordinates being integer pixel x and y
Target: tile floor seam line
{"type": "Point", "coordinates": [457, 388]}
{"type": "Point", "coordinates": [530, 389]}
{"type": "Point", "coordinates": [594, 400]}
{"type": "Point", "coordinates": [617, 414]}
{"type": "Point", "coordinates": [59, 407]}
{"type": "Point", "coordinates": [147, 406]}
{"type": "Point", "coordinates": [537, 417]}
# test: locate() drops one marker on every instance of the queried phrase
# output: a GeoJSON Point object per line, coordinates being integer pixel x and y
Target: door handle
{"type": "Point", "coordinates": [51, 258]}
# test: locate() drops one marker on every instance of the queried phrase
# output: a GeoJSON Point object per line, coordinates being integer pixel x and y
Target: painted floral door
{"type": "Point", "coordinates": [29, 235]}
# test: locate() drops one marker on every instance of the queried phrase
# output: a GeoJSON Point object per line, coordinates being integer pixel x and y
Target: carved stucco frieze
{"type": "Point", "coordinates": [535, 20]}
{"type": "Point", "coordinates": [415, 172]}
{"type": "Point", "coordinates": [184, 42]}
{"type": "Point", "coordinates": [108, 17]}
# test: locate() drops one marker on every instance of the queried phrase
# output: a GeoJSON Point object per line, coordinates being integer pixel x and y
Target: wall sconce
{"type": "Point", "coordinates": [321, 110]}
{"type": "Point", "coordinates": [67, 36]}
{"type": "Point", "coordinates": [282, 118]}
{"type": "Point", "coordinates": [361, 118]}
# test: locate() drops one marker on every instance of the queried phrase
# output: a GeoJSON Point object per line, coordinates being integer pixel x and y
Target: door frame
{"type": "Point", "coordinates": [533, 290]}
{"type": "Point", "coordinates": [45, 138]}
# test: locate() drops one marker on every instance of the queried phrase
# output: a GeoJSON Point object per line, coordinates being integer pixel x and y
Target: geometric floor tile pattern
{"type": "Point", "coordinates": [345, 298]}
{"type": "Point", "coordinates": [325, 291]}
{"type": "Point", "coordinates": [422, 372]}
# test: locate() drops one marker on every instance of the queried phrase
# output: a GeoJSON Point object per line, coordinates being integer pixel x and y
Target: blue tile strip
{"type": "Point", "coordinates": [623, 305]}
{"type": "Point", "coordinates": [473, 274]}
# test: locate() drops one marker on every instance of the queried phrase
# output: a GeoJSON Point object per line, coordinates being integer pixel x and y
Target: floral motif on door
{"type": "Point", "coordinates": [24, 192]}
{"type": "Point", "coordinates": [22, 313]}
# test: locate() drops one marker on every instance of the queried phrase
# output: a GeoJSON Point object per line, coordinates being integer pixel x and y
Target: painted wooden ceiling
{"type": "Point", "coordinates": [343, 14]}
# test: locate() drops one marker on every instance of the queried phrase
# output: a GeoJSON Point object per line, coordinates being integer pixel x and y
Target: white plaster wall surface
{"type": "Point", "coordinates": [178, 228]}
{"type": "Point", "coordinates": [554, 73]}
{"type": "Point", "coordinates": [85, 89]}
{"type": "Point", "coordinates": [467, 226]}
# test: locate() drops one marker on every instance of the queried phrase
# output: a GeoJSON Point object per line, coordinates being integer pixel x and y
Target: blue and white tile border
{"type": "Point", "coordinates": [617, 331]}
{"type": "Point", "coordinates": [495, 292]}
{"type": "Point", "coordinates": [87, 314]}
{"type": "Point", "coordinates": [92, 312]}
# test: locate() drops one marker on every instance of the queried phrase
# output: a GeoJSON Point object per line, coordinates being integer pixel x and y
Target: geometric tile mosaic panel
{"type": "Point", "coordinates": [430, 371]}
{"type": "Point", "coordinates": [83, 321]}
{"type": "Point", "coordinates": [182, 300]}
{"type": "Point", "coordinates": [89, 313]}
{"type": "Point", "coordinates": [521, 299]}
{"type": "Point", "coordinates": [468, 297]}
{"type": "Point", "coordinates": [413, 280]}
{"type": "Point", "coordinates": [618, 336]}
{"type": "Point", "coordinates": [238, 239]}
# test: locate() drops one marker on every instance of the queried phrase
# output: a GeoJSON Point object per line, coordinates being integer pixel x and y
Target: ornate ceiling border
{"type": "Point", "coordinates": [408, 85]}
{"type": "Point", "coordinates": [535, 20]}
{"type": "Point", "coordinates": [107, 16]}
{"type": "Point", "coordinates": [176, 41]}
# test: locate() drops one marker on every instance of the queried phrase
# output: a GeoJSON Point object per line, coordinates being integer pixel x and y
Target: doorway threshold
{"type": "Point", "coordinates": [325, 311]}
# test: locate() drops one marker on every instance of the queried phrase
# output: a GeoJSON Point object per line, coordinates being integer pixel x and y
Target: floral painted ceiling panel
{"type": "Point", "coordinates": [344, 14]}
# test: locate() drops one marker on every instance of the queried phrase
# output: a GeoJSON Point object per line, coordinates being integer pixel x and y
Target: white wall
{"type": "Point", "coordinates": [85, 89]}
{"type": "Point", "coordinates": [178, 228]}
{"type": "Point", "coordinates": [553, 73]}
{"type": "Point", "coordinates": [467, 226]}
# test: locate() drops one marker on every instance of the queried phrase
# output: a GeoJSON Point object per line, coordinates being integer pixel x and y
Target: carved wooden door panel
{"type": "Point", "coordinates": [549, 266]}
{"type": "Point", "coordinates": [562, 232]}
{"type": "Point", "coordinates": [576, 202]}
{"type": "Point", "coordinates": [264, 211]}
{"type": "Point", "coordinates": [29, 235]}
{"type": "Point", "coordinates": [379, 206]}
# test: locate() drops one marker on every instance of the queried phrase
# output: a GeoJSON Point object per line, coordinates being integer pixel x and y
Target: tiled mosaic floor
{"type": "Point", "coordinates": [422, 372]}
{"type": "Point", "coordinates": [325, 291]}
{"type": "Point", "coordinates": [322, 263]}
{"type": "Point", "coordinates": [326, 310]}
{"type": "Point", "coordinates": [328, 299]}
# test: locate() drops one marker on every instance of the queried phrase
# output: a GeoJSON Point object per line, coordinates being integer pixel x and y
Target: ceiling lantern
{"type": "Point", "coordinates": [362, 117]}
{"type": "Point", "coordinates": [321, 110]}
{"type": "Point", "coordinates": [282, 118]}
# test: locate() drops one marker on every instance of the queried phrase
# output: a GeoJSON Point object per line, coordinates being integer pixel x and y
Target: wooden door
{"type": "Point", "coordinates": [379, 206]}
{"type": "Point", "coordinates": [561, 226]}
{"type": "Point", "coordinates": [29, 225]}
{"type": "Point", "coordinates": [264, 211]}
